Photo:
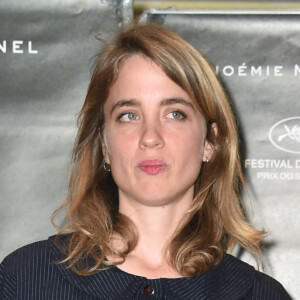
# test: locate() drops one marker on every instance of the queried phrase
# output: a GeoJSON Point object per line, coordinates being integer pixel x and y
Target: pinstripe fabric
{"type": "Point", "coordinates": [30, 273]}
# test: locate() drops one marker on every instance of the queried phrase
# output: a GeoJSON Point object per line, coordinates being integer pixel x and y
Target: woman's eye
{"type": "Point", "coordinates": [128, 117]}
{"type": "Point", "coordinates": [176, 115]}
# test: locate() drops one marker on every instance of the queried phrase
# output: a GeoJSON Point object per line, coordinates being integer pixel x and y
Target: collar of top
{"type": "Point", "coordinates": [231, 279]}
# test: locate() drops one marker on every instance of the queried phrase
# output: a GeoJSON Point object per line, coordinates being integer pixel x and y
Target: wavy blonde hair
{"type": "Point", "coordinates": [215, 223]}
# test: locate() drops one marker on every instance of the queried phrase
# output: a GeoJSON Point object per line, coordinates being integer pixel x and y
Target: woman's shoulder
{"type": "Point", "coordinates": [259, 285]}
{"type": "Point", "coordinates": [31, 257]}
{"type": "Point", "coordinates": [24, 255]}
{"type": "Point", "coordinates": [268, 286]}
{"type": "Point", "coordinates": [20, 263]}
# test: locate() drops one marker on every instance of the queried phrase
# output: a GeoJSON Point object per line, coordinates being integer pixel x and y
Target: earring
{"type": "Point", "coordinates": [106, 167]}
{"type": "Point", "coordinates": [207, 160]}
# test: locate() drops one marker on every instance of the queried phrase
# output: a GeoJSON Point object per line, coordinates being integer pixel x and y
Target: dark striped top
{"type": "Point", "coordinates": [31, 274]}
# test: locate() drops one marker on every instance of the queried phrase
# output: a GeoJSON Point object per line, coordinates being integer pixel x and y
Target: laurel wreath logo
{"type": "Point", "coordinates": [285, 135]}
{"type": "Point", "coordinates": [293, 134]}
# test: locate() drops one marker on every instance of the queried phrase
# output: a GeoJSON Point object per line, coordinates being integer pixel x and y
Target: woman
{"type": "Point", "coordinates": [153, 202]}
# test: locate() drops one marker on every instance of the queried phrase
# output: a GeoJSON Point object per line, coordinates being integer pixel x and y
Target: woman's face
{"type": "Point", "coordinates": [154, 137]}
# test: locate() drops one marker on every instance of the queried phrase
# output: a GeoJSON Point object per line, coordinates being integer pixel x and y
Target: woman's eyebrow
{"type": "Point", "coordinates": [136, 103]}
{"type": "Point", "coordinates": [170, 101]}
{"type": "Point", "coordinates": [125, 102]}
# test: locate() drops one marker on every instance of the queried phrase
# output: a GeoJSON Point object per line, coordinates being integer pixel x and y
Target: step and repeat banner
{"type": "Point", "coordinates": [45, 60]}
{"type": "Point", "coordinates": [45, 52]}
{"type": "Point", "coordinates": [257, 56]}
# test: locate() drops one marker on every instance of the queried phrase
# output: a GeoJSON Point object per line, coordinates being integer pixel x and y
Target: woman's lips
{"type": "Point", "coordinates": [152, 166]}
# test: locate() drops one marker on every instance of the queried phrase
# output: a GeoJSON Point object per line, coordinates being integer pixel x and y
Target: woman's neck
{"type": "Point", "coordinates": [156, 227]}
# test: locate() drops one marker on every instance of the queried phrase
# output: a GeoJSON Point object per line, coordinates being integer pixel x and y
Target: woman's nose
{"type": "Point", "coordinates": [151, 136]}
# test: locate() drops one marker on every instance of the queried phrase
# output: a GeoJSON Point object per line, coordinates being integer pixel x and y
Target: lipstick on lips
{"type": "Point", "coordinates": [152, 166]}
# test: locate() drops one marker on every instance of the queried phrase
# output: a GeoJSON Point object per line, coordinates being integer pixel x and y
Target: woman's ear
{"type": "Point", "coordinates": [105, 151]}
{"type": "Point", "coordinates": [208, 147]}
{"type": "Point", "coordinates": [208, 151]}
{"type": "Point", "coordinates": [105, 155]}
